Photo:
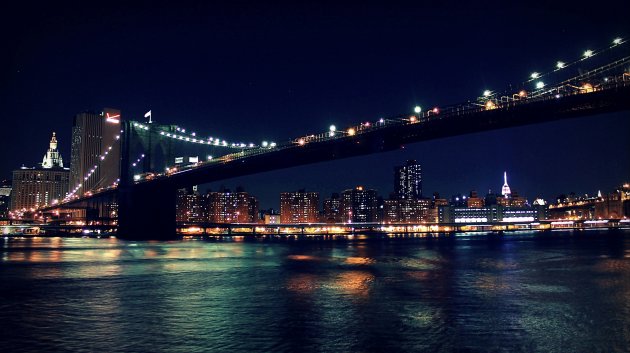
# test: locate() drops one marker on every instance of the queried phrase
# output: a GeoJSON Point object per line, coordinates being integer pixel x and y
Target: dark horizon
{"type": "Point", "coordinates": [253, 72]}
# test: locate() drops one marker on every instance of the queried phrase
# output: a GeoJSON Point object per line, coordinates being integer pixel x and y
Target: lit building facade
{"type": "Point", "coordinates": [299, 207]}
{"type": "Point", "coordinates": [332, 209]}
{"type": "Point", "coordinates": [232, 207]}
{"type": "Point", "coordinates": [40, 186]}
{"type": "Point", "coordinates": [359, 205]}
{"type": "Point", "coordinates": [407, 211]}
{"type": "Point", "coordinates": [191, 206]}
{"type": "Point", "coordinates": [5, 198]}
{"type": "Point", "coordinates": [408, 181]}
{"type": "Point", "coordinates": [474, 201]}
{"type": "Point", "coordinates": [490, 214]}
{"type": "Point", "coordinates": [95, 135]}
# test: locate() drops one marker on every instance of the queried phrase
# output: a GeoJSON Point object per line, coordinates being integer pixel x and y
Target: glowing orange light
{"type": "Point", "coordinates": [522, 94]}
{"type": "Point", "coordinates": [412, 118]}
{"type": "Point", "coordinates": [490, 105]}
{"type": "Point", "coordinates": [351, 131]}
{"type": "Point", "coordinates": [301, 142]}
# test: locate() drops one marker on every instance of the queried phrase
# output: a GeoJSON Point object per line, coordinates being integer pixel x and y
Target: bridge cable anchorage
{"type": "Point", "coordinates": [100, 159]}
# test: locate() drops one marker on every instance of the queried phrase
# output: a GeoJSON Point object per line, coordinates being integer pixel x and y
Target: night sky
{"type": "Point", "coordinates": [249, 72]}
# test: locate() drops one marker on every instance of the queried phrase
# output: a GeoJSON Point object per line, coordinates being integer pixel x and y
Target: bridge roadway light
{"type": "Point", "coordinates": [417, 109]}
{"type": "Point", "coordinates": [588, 53]}
{"type": "Point", "coordinates": [560, 65]}
{"type": "Point", "coordinates": [617, 41]}
{"type": "Point", "coordinates": [487, 93]}
{"type": "Point", "coordinates": [534, 75]}
{"type": "Point", "coordinates": [265, 143]}
{"type": "Point", "coordinates": [540, 84]}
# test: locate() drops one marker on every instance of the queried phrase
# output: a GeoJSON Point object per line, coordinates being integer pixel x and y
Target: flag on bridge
{"type": "Point", "coordinates": [148, 115]}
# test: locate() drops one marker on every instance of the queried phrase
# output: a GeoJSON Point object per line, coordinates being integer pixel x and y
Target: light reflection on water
{"type": "Point", "coordinates": [563, 293]}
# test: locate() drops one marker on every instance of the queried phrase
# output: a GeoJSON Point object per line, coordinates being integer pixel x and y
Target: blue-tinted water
{"type": "Point", "coordinates": [567, 292]}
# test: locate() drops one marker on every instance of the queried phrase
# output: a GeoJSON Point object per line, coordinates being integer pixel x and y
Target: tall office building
{"type": "Point", "coordinates": [408, 181]}
{"type": "Point", "coordinates": [42, 185]}
{"type": "Point", "coordinates": [359, 205]}
{"type": "Point", "coordinates": [94, 135]}
{"type": "Point", "coordinates": [299, 207]}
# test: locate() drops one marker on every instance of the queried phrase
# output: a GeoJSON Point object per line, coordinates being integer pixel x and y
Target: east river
{"type": "Point", "coordinates": [521, 292]}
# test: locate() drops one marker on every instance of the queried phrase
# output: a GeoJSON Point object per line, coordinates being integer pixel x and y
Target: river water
{"type": "Point", "coordinates": [524, 292]}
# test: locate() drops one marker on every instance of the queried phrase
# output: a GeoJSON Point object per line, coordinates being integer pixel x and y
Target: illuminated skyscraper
{"type": "Point", "coordinates": [92, 136]}
{"type": "Point", "coordinates": [505, 191]}
{"type": "Point", "coordinates": [40, 186]}
{"type": "Point", "coordinates": [408, 181]}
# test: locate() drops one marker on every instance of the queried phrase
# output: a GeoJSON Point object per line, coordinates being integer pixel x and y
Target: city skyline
{"type": "Point", "coordinates": [223, 88]}
{"type": "Point", "coordinates": [275, 203]}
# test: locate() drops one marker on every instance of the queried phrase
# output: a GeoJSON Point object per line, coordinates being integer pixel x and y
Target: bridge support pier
{"type": "Point", "coordinates": [147, 214]}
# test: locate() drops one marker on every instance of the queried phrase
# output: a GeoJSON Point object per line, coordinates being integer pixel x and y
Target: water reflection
{"type": "Point", "coordinates": [562, 293]}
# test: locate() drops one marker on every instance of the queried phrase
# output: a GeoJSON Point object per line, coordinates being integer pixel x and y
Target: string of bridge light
{"type": "Point", "coordinates": [134, 164]}
{"type": "Point", "coordinates": [560, 65]}
{"type": "Point", "coordinates": [487, 94]}
{"type": "Point", "coordinates": [100, 158]}
{"type": "Point", "coordinates": [192, 138]}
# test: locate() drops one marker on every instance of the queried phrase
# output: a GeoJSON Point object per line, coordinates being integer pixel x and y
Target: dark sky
{"type": "Point", "coordinates": [252, 71]}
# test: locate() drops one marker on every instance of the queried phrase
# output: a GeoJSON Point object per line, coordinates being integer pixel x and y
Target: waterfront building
{"type": "Point", "coordinates": [95, 135]}
{"type": "Point", "coordinates": [407, 211]}
{"type": "Point", "coordinates": [232, 207]}
{"type": "Point", "coordinates": [43, 185]}
{"type": "Point", "coordinates": [408, 181]}
{"type": "Point", "coordinates": [614, 205]}
{"type": "Point", "coordinates": [474, 201]}
{"type": "Point", "coordinates": [359, 205]}
{"type": "Point", "coordinates": [332, 209]}
{"type": "Point", "coordinates": [191, 206]}
{"type": "Point", "coordinates": [488, 214]}
{"type": "Point", "coordinates": [5, 198]}
{"type": "Point", "coordinates": [299, 207]}
{"type": "Point", "coordinates": [271, 219]}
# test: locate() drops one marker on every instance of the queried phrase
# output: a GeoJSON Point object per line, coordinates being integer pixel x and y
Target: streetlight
{"type": "Point", "coordinates": [540, 84]}
{"type": "Point", "coordinates": [487, 93]}
{"type": "Point", "coordinates": [332, 130]}
{"type": "Point", "coordinates": [588, 54]}
{"type": "Point", "coordinates": [417, 109]}
{"type": "Point", "coordinates": [560, 65]}
{"type": "Point", "coordinates": [617, 41]}
{"type": "Point", "coordinates": [534, 75]}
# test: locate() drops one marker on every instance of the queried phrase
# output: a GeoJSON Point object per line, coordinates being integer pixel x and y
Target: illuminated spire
{"type": "Point", "coordinates": [52, 158]}
{"type": "Point", "coordinates": [505, 191]}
